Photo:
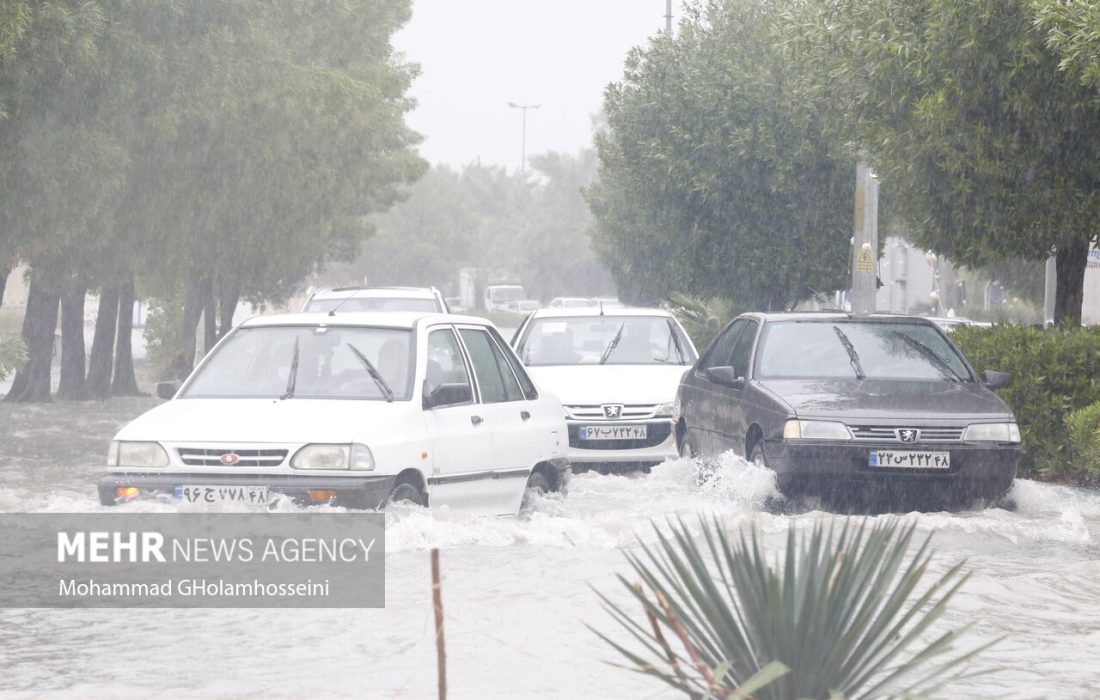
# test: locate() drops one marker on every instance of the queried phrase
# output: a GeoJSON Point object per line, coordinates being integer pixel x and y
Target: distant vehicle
{"type": "Point", "coordinates": [616, 374]}
{"type": "Point", "coordinates": [570, 303]}
{"type": "Point", "coordinates": [416, 299]}
{"type": "Point", "coordinates": [498, 296]}
{"type": "Point", "coordinates": [855, 410]}
{"type": "Point", "coordinates": [606, 302]}
{"type": "Point", "coordinates": [358, 410]}
{"type": "Point", "coordinates": [524, 306]}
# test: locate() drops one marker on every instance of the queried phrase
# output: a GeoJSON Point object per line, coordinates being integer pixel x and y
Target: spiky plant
{"type": "Point", "coordinates": [701, 318]}
{"type": "Point", "coordinates": [840, 615]}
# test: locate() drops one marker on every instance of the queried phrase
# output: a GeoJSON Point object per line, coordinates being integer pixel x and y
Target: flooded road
{"type": "Point", "coordinates": [516, 591]}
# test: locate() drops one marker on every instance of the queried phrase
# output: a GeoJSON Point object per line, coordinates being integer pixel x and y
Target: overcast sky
{"type": "Point", "coordinates": [476, 56]}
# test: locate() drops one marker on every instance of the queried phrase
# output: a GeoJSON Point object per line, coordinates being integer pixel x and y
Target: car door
{"type": "Point", "coordinates": [462, 445]}
{"type": "Point", "coordinates": [509, 415]}
{"type": "Point", "coordinates": [730, 419]}
{"type": "Point", "coordinates": [700, 399]}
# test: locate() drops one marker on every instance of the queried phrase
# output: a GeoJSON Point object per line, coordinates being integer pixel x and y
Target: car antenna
{"type": "Point", "coordinates": [336, 308]}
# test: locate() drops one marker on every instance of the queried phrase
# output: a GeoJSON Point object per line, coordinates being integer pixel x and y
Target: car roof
{"type": "Point", "coordinates": [385, 292]}
{"type": "Point", "coordinates": [606, 311]}
{"type": "Point", "coordinates": [383, 319]}
{"type": "Point", "coordinates": [835, 316]}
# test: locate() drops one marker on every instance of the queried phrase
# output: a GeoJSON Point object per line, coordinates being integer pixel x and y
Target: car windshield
{"type": "Point", "coordinates": [613, 340]}
{"type": "Point", "coordinates": [373, 304]}
{"type": "Point", "coordinates": [506, 293]}
{"type": "Point", "coordinates": [308, 362]}
{"type": "Point", "coordinates": [846, 349]}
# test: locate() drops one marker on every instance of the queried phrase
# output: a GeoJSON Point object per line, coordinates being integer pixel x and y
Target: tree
{"type": "Point", "coordinates": [993, 153]}
{"type": "Point", "coordinates": [716, 178]}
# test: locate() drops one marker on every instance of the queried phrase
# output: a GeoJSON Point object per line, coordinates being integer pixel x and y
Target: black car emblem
{"type": "Point", "coordinates": [612, 410]}
{"type": "Point", "coordinates": [908, 434]}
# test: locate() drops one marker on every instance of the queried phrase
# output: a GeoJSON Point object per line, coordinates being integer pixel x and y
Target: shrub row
{"type": "Point", "coordinates": [1056, 371]}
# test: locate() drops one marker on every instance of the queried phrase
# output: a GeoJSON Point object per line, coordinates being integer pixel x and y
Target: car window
{"type": "Point", "coordinates": [842, 349]}
{"type": "Point", "coordinates": [525, 382]}
{"type": "Point", "coordinates": [742, 349]}
{"type": "Point", "coordinates": [494, 376]}
{"type": "Point", "coordinates": [613, 340]}
{"type": "Point", "coordinates": [721, 348]}
{"type": "Point", "coordinates": [445, 363]}
{"type": "Point", "coordinates": [337, 362]}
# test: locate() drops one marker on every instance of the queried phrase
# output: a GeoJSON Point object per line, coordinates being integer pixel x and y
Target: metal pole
{"type": "Point", "coordinates": [1050, 290]}
{"type": "Point", "coordinates": [523, 143]}
{"type": "Point", "coordinates": [668, 17]}
{"type": "Point", "coordinates": [865, 242]}
{"type": "Point", "coordinates": [437, 605]}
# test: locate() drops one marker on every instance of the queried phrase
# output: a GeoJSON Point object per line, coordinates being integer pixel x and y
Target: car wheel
{"type": "Point", "coordinates": [404, 492]}
{"type": "Point", "coordinates": [757, 456]}
{"type": "Point", "coordinates": [686, 448]}
{"type": "Point", "coordinates": [537, 485]}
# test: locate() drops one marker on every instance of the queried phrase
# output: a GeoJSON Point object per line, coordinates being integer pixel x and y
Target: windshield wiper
{"type": "Point", "coordinates": [613, 344]}
{"type": "Point", "coordinates": [293, 378]}
{"type": "Point", "coordinates": [386, 390]}
{"type": "Point", "coordinates": [930, 354]}
{"type": "Point", "coordinates": [853, 356]}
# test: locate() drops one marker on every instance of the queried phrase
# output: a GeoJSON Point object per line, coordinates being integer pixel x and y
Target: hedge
{"type": "Point", "coordinates": [1084, 437]}
{"type": "Point", "coordinates": [1055, 371]}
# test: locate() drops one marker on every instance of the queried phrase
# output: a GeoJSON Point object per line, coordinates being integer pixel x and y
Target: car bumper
{"type": "Point", "coordinates": [841, 469]}
{"type": "Point", "coordinates": [621, 455]}
{"type": "Point", "coordinates": [349, 491]}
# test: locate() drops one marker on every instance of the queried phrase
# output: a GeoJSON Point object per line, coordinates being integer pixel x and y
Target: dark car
{"type": "Point", "coordinates": [851, 409]}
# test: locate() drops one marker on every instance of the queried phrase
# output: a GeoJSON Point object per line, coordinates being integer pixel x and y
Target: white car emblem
{"type": "Point", "coordinates": [908, 435]}
{"type": "Point", "coordinates": [612, 410]}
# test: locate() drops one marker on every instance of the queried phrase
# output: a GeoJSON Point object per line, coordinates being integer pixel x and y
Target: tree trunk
{"type": "Point", "coordinates": [209, 320]}
{"type": "Point", "coordinates": [98, 385]}
{"type": "Point", "coordinates": [71, 385]}
{"type": "Point", "coordinates": [4, 272]}
{"type": "Point", "coordinates": [194, 301]}
{"type": "Point", "coordinates": [1071, 262]}
{"type": "Point", "coordinates": [124, 382]}
{"type": "Point", "coordinates": [229, 295]}
{"type": "Point", "coordinates": [32, 381]}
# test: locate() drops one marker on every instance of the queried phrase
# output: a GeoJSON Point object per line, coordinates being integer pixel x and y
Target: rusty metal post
{"type": "Point", "coordinates": [437, 603]}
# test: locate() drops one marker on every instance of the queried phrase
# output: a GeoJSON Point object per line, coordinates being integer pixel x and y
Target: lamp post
{"type": "Point", "coordinates": [523, 145]}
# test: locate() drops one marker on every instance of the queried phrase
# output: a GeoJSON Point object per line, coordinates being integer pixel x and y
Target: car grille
{"type": "Point", "coordinates": [211, 457]}
{"type": "Point", "coordinates": [596, 411]}
{"type": "Point", "coordinates": [884, 433]}
{"type": "Point", "coordinates": [656, 433]}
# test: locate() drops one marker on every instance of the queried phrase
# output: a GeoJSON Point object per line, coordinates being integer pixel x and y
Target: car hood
{"type": "Point", "coordinates": [879, 399]}
{"type": "Point", "coordinates": [595, 384]}
{"type": "Point", "coordinates": [271, 420]}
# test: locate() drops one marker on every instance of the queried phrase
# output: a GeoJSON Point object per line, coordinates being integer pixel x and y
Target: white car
{"type": "Point", "coordinates": [616, 372]}
{"type": "Point", "coordinates": [570, 303]}
{"type": "Point", "coordinates": [356, 410]}
{"type": "Point", "coordinates": [344, 299]}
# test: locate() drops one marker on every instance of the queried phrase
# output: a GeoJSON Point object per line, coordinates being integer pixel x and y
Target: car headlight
{"type": "Point", "coordinates": [666, 410]}
{"type": "Point", "coordinates": [319, 456]}
{"type": "Point", "coordinates": [815, 430]}
{"type": "Point", "coordinates": [136, 454]}
{"type": "Point", "coordinates": [992, 432]}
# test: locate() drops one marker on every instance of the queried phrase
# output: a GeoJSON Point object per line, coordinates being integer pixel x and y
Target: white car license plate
{"type": "Point", "coordinates": [909, 459]}
{"type": "Point", "coordinates": [201, 493]}
{"type": "Point", "coordinates": [613, 432]}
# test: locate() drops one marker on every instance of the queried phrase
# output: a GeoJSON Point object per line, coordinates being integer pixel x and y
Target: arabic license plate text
{"type": "Point", "coordinates": [909, 459]}
{"type": "Point", "coordinates": [199, 493]}
{"type": "Point", "coordinates": [613, 432]}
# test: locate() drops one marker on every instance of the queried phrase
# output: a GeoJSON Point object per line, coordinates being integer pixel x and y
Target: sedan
{"type": "Point", "coordinates": [616, 372]}
{"type": "Point", "coordinates": [356, 410]}
{"type": "Point", "coordinates": [851, 409]}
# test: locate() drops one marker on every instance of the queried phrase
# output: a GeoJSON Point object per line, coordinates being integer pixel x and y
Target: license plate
{"type": "Point", "coordinates": [613, 432]}
{"type": "Point", "coordinates": [199, 493]}
{"type": "Point", "coordinates": [909, 459]}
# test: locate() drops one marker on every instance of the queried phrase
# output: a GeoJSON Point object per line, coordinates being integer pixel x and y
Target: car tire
{"type": "Point", "coordinates": [406, 492]}
{"type": "Point", "coordinates": [686, 446]}
{"type": "Point", "coordinates": [537, 485]}
{"type": "Point", "coordinates": [757, 456]}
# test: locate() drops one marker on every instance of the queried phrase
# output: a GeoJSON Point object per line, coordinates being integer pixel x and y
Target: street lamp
{"type": "Point", "coordinates": [523, 146]}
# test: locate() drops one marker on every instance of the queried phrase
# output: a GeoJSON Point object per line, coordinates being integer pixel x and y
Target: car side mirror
{"type": "Point", "coordinates": [167, 390]}
{"type": "Point", "coordinates": [447, 394]}
{"type": "Point", "coordinates": [726, 376]}
{"type": "Point", "coordinates": [996, 380]}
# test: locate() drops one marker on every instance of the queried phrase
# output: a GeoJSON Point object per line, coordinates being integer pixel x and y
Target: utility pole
{"type": "Point", "coordinates": [523, 144]}
{"type": "Point", "coordinates": [865, 242]}
{"type": "Point", "coordinates": [668, 17]}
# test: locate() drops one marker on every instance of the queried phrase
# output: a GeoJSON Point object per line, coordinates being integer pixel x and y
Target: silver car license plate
{"type": "Point", "coordinates": [202, 493]}
{"type": "Point", "coordinates": [613, 432]}
{"type": "Point", "coordinates": [909, 459]}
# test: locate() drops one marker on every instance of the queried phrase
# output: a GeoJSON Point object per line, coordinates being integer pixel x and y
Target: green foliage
{"type": "Point", "coordinates": [702, 318]}
{"type": "Point", "coordinates": [13, 355]}
{"type": "Point", "coordinates": [716, 178]}
{"type": "Point", "coordinates": [1084, 437]}
{"type": "Point", "coordinates": [846, 612]}
{"type": "Point", "coordinates": [161, 324]}
{"type": "Point", "coordinates": [1073, 33]}
{"type": "Point", "coordinates": [993, 153]}
{"type": "Point", "coordinates": [1055, 371]}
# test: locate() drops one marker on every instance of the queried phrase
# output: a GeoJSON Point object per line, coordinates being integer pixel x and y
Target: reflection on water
{"type": "Point", "coordinates": [516, 590]}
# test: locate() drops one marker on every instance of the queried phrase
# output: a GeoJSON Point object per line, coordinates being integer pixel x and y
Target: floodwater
{"type": "Point", "coordinates": [517, 591]}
